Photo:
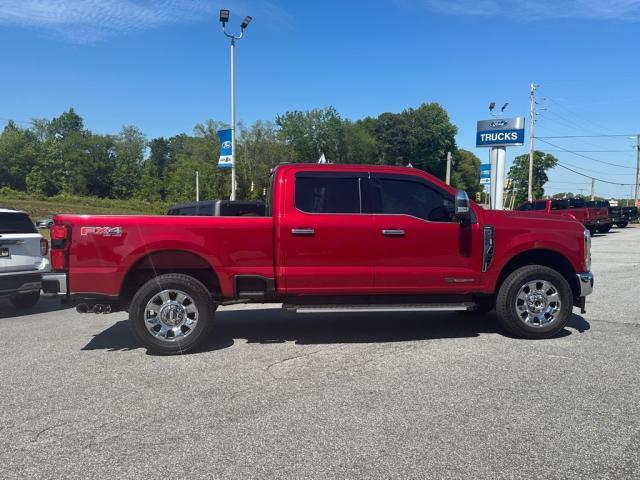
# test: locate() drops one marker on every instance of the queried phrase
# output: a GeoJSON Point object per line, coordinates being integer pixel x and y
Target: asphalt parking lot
{"type": "Point", "coordinates": [275, 395]}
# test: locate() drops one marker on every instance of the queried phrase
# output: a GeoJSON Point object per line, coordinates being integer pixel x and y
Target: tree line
{"type": "Point", "coordinates": [60, 156]}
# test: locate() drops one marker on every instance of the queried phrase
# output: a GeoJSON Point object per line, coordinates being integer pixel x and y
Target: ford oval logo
{"type": "Point", "coordinates": [498, 123]}
{"type": "Point", "coordinates": [226, 144]}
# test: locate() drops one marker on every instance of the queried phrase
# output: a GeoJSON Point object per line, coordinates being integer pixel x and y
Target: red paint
{"type": "Point", "coordinates": [347, 254]}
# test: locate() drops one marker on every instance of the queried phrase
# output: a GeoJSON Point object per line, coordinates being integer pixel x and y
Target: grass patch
{"type": "Point", "coordinates": [46, 207]}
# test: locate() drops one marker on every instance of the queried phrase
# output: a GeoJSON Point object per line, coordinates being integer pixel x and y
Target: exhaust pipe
{"type": "Point", "coordinates": [101, 308]}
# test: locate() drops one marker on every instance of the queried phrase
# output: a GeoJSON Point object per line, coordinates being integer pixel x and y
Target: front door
{"type": "Point", "coordinates": [326, 241]}
{"type": "Point", "coordinates": [419, 248]}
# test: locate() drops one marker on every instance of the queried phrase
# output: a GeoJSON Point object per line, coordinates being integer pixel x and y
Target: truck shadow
{"type": "Point", "coordinates": [272, 325]}
{"type": "Point", "coordinates": [44, 305]}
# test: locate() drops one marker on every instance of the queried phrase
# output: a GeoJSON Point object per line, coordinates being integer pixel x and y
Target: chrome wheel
{"type": "Point", "coordinates": [538, 303]}
{"type": "Point", "coordinates": [170, 315]}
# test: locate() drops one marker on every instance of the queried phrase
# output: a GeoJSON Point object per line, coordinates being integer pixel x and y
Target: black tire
{"type": "Point", "coordinates": [604, 228]}
{"type": "Point", "coordinates": [25, 300]}
{"type": "Point", "coordinates": [592, 230]}
{"type": "Point", "coordinates": [184, 283]}
{"type": "Point", "coordinates": [622, 224]}
{"type": "Point", "coordinates": [507, 295]}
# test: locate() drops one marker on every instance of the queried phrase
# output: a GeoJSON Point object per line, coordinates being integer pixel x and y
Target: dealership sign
{"type": "Point", "coordinates": [500, 132]}
{"type": "Point", "coordinates": [226, 148]}
{"type": "Point", "coordinates": [485, 174]}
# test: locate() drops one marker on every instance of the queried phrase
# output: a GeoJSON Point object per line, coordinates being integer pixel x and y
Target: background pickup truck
{"type": "Point", "coordinates": [334, 238]}
{"type": "Point", "coordinates": [594, 218]}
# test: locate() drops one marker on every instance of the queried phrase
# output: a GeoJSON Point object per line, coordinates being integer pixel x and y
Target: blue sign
{"type": "Point", "coordinates": [485, 174]}
{"type": "Point", "coordinates": [500, 132]}
{"type": "Point", "coordinates": [226, 148]}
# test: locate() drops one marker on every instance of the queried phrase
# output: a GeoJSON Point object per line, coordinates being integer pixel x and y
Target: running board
{"type": "Point", "coordinates": [434, 307]}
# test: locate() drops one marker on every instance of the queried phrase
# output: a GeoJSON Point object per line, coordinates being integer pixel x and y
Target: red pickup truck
{"type": "Point", "coordinates": [590, 214]}
{"type": "Point", "coordinates": [335, 238]}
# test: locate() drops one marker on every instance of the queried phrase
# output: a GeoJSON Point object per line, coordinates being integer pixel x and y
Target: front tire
{"type": "Point", "coordinates": [170, 314]}
{"type": "Point", "coordinates": [604, 228]}
{"type": "Point", "coordinates": [25, 300]}
{"type": "Point", "coordinates": [534, 302]}
{"type": "Point", "coordinates": [622, 224]}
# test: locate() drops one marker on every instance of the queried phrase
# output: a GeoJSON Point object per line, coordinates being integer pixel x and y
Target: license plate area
{"type": "Point", "coordinates": [4, 252]}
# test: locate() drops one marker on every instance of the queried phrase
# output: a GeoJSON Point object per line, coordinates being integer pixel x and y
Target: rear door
{"type": "Point", "coordinates": [19, 243]}
{"type": "Point", "coordinates": [418, 247]}
{"type": "Point", "coordinates": [325, 239]}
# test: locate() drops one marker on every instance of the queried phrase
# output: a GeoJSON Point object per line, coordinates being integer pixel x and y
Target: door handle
{"type": "Point", "coordinates": [393, 233]}
{"type": "Point", "coordinates": [303, 231]}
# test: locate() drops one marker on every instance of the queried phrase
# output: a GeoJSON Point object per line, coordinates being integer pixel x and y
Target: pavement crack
{"type": "Point", "coordinates": [44, 430]}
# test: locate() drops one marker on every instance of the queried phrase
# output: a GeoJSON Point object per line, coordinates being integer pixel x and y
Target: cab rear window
{"type": "Point", "coordinates": [16, 223]}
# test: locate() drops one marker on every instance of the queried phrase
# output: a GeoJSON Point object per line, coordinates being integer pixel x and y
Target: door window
{"type": "Point", "coordinates": [326, 194]}
{"type": "Point", "coordinates": [408, 197]}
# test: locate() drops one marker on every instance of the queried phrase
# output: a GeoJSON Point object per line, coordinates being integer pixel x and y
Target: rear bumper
{"type": "Point", "coordinates": [54, 285]}
{"type": "Point", "coordinates": [20, 282]}
{"type": "Point", "coordinates": [585, 281]}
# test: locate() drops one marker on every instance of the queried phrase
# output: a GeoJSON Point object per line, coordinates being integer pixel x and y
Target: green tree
{"type": "Point", "coordinates": [313, 133]}
{"type": "Point", "coordinates": [519, 174]}
{"type": "Point", "coordinates": [19, 152]}
{"type": "Point", "coordinates": [466, 172]}
{"type": "Point", "coordinates": [421, 137]}
{"type": "Point", "coordinates": [129, 148]}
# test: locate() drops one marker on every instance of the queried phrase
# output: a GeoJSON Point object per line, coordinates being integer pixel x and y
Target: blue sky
{"type": "Point", "coordinates": [163, 66]}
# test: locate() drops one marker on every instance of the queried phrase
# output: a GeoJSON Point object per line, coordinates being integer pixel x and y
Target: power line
{"type": "Point", "coordinates": [585, 156]}
{"type": "Point", "coordinates": [598, 179]}
{"type": "Point", "coordinates": [593, 151]}
{"type": "Point", "coordinates": [592, 136]}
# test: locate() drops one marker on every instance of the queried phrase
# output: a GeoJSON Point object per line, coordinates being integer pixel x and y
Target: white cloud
{"type": "Point", "coordinates": [625, 10]}
{"type": "Point", "coordinates": [90, 21]}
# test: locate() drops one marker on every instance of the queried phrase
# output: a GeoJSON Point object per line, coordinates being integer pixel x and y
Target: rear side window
{"type": "Point", "coordinates": [525, 207]}
{"type": "Point", "coordinates": [559, 204]}
{"type": "Point", "coordinates": [577, 203]}
{"type": "Point", "coordinates": [413, 198]}
{"type": "Point", "coordinates": [16, 223]}
{"type": "Point", "coordinates": [540, 206]}
{"type": "Point", "coordinates": [326, 194]}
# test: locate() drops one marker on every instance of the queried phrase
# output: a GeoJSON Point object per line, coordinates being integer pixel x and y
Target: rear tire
{"type": "Point", "coordinates": [604, 228]}
{"type": "Point", "coordinates": [25, 300]}
{"type": "Point", "coordinates": [534, 302]}
{"type": "Point", "coordinates": [171, 314]}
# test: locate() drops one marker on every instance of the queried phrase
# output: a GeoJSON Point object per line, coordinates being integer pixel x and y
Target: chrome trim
{"type": "Point", "coordinates": [60, 279]}
{"type": "Point", "coordinates": [303, 231]}
{"type": "Point", "coordinates": [585, 281]}
{"type": "Point", "coordinates": [393, 233]}
{"type": "Point", "coordinates": [488, 238]}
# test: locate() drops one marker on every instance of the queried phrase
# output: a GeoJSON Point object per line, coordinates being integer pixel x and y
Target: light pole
{"type": "Point", "coordinates": [224, 18]}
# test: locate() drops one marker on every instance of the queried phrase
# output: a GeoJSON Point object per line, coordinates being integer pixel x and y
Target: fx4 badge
{"type": "Point", "coordinates": [102, 231]}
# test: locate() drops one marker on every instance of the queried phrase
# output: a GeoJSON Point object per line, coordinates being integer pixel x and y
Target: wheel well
{"type": "Point", "coordinates": [548, 258]}
{"type": "Point", "coordinates": [168, 261]}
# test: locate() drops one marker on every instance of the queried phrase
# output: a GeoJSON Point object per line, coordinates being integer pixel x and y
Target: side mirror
{"type": "Point", "coordinates": [462, 209]}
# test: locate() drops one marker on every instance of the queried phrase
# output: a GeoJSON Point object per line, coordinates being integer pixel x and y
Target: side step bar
{"type": "Point", "coordinates": [430, 307]}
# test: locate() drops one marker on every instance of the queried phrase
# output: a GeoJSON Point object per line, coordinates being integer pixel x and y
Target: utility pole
{"type": "Point", "coordinates": [448, 178]}
{"type": "Point", "coordinates": [532, 120]}
{"type": "Point", "coordinates": [637, 168]}
{"type": "Point", "coordinates": [593, 189]}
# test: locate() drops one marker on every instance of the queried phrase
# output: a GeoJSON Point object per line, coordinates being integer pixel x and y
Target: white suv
{"type": "Point", "coordinates": [23, 258]}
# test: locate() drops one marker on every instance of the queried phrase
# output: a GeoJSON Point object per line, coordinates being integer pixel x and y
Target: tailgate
{"type": "Point", "coordinates": [20, 252]}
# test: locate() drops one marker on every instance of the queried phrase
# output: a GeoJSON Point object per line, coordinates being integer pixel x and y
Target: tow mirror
{"type": "Point", "coordinates": [462, 208]}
